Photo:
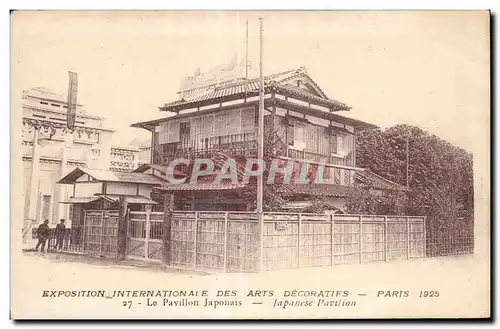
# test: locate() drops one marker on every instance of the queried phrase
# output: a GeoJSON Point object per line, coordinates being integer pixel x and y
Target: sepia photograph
{"type": "Point", "coordinates": [250, 164]}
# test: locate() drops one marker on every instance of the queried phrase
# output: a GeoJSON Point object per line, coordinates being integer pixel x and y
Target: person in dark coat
{"type": "Point", "coordinates": [60, 232]}
{"type": "Point", "coordinates": [42, 234]}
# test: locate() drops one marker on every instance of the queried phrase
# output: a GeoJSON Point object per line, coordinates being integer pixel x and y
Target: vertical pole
{"type": "Point", "coordinates": [148, 232]}
{"type": "Point", "coordinates": [261, 247]}
{"type": "Point", "coordinates": [168, 206]}
{"type": "Point", "coordinates": [260, 178]}
{"type": "Point", "coordinates": [407, 237]}
{"type": "Point", "coordinates": [102, 233]}
{"type": "Point", "coordinates": [225, 240]}
{"type": "Point", "coordinates": [246, 60]}
{"type": "Point", "coordinates": [333, 239]}
{"type": "Point", "coordinates": [195, 238]}
{"type": "Point", "coordinates": [407, 162]}
{"type": "Point", "coordinates": [425, 237]}
{"type": "Point", "coordinates": [386, 242]}
{"type": "Point", "coordinates": [260, 139]}
{"type": "Point", "coordinates": [122, 227]}
{"type": "Point", "coordinates": [299, 241]}
{"type": "Point", "coordinates": [360, 239]}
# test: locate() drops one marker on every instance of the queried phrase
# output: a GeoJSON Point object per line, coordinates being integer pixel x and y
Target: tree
{"type": "Point", "coordinates": [440, 174]}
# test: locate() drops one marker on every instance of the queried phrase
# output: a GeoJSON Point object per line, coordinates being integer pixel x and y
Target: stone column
{"type": "Point", "coordinates": [34, 182]}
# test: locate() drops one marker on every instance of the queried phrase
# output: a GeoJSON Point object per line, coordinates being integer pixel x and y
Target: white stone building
{"type": "Point", "coordinates": [50, 151]}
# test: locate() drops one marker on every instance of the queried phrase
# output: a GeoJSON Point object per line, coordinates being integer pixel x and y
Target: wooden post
{"type": "Point", "coordinates": [386, 242]}
{"type": "Point", "coordinates": [333, 238]}
{"type": "Point", "coordinates": [360, 239]}
{"type": "Point", "coordinates": [195, 238]}
{"type": "Point", "coordinates": [425, 237]}
{"type": "Point", "coordinates": [260, 217]}
{"type": "Point", "coordinates": [148, 231]}
{"type": "Point", "coordinates": [407, 237]}
{"type": "Point", "coordinates": [122, 227]}
{"type": "Point", "coordinates": [299, 240]}
{"type": "Point", "coordinates": [225, 241]}
{"type": "Point", "coordinates": [168, 208]}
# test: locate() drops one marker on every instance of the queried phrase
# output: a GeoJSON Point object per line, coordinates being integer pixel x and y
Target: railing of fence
{"type": "Point", "coordinates": [145, 235]}
{"type": "Point", "coordinates": [232, 241]}
{"type": "Point", "coordinates": [305, 240]}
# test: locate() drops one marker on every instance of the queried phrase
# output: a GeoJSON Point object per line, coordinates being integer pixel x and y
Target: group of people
{"type": "Point", "coordinates": [43, 234]}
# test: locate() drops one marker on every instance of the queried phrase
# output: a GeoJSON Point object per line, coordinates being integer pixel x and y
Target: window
{"type": "Point", "coordinates": [44, 103]}
{"type": "Point", "coordinates": [247, 120]}
{"type": "Point", "coordinates": [290, 134]}
{"type": "Point", "coordinates": [333, 142]}
{"type": "Point", "coordinates": [227, 123]}
{"type": "Point", "coordinates": [46, 203]}
{"type": "Point", "coordinates": [296, 134]}
{"type": "Point", "coordinates": [55, 105]}
{"type": "Point", "coordinates": [169, 132]}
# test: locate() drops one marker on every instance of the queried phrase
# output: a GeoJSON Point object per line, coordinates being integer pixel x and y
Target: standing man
{"type": "Point", "coordinates": [60, 232]}
{"type": "Point", "coordinates": [42, 234]}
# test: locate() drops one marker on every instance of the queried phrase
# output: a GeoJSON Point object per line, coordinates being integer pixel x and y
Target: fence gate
{"type": "Point", "coordinates": [100, 237]}
{"type": "Point", "coordinates": [145, 235]}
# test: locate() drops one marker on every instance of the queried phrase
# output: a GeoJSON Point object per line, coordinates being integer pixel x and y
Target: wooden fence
{"type": "Point", "coordinates": [305, 240]}
{"type": "Point", "coordinates": [234, 241]}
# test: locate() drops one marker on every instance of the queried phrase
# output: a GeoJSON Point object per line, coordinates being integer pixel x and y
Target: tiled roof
{"type": "Point", "coordinates": [148, 166]}
{"type": "Point", "coordinates": [377, 181]}
{"type": "Point", "coordinates": [201, 187]}
{"type": "Point", "coordinates": [319, 189]}
{"type": "Point", "coordinates": [136, 199]}
{"type": "Point", "coordinates": [81, 199]}
{"type": "Point", "coordinates": [277, 82]}
{"type": "Point", "coordinates": [133, 199]}
{"type": "Point", "coordinates": [110, 176]}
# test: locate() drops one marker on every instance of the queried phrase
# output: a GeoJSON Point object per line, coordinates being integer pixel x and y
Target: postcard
{"type": "Point", "coordinates": [250, 165]}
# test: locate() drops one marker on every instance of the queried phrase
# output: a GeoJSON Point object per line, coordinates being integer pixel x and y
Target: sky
{"type": "Point", "coordinates": [429, 69]}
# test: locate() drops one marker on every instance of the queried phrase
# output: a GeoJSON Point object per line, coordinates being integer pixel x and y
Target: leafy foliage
{"type": "Point", "coordinates": [440, 175]}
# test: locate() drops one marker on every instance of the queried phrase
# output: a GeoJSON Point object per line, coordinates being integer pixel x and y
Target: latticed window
{"type": "Point", "coordinates": [247, 120]}
{"type": "Point", "coordinates": [227, 123]}
{"type": "Point", "coordinates": [333, 141]}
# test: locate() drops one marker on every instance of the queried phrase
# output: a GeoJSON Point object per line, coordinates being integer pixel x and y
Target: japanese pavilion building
{"type": "Point", "coordinates": [216, 117]}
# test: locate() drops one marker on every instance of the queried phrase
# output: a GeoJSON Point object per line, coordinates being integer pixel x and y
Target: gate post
{"type": "Point", "coordinates": [168, 208]}
{"type": "Point", "coordinates": [122, 227]}
{"type": "Point", "coordinates": [148, 231]}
